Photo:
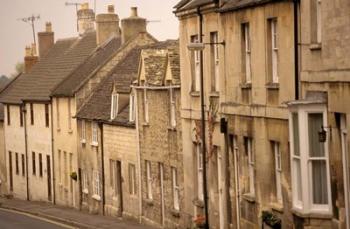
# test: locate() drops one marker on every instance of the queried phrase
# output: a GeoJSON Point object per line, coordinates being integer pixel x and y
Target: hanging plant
{"type": "Point", "coordinates": [271, 220]}
{"type": "Point", "coordinates": [74, 176]}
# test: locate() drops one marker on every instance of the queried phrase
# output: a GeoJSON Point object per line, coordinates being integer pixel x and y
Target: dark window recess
{"type": "Point", "coordinates": [34, 164]}
{"type": "Point", "coordinates": [23, 166]}
{"type": "Point", "coordinates": [40, 164]}
{"type": "Point", "coordinates": [31, 114]}
{"type": "Point", "coordinates": [8, 115]}
{"type": "Point", "coordinates": [20, 116]}
{"type": "Point", "coordinates": [17, 167]}
{"type": "Point", "coordinates": [47, 119]}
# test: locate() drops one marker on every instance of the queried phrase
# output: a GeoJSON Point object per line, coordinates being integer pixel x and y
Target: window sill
{"type": "Point", "coordinates": [245, 85]}
{"type": "Point", "coordinates": [170, 128]}
{"type": "Point", "coordinates": [85, 191]}
{"type": "Point", "coordinates": [145, 124]}
{"type": "Point", "coordinates": [94, 144]}
{"type": "Point", "coordinates": [149, 202]}
{"type": "Point", "coordinates": [315, 46]}
{"type": "Point", "coordinates": [277, 207]}
{"type": "Point", "coordinates": [272, 86]}
{"type": "Point", "coordinates": [175, 213]}
{"type": "Point", "coordinates": [96, 197]}
{"type": "Point", "coordinates": [249, 197]}
{"type": "Point", "coordinates": [214, 94]}
{"type": "Point", "coordinates": [199, 203]}
{"type": "Point", "coordinates": [82, 141]}
{"type": "Point", "coordinates": [58, 129]}
{"type": "Point", "coordinates": [195, 93]}
{"type": "Point", "coordinates": [315, 215]}
{"type": "Point", "coordinates": [70, 131]}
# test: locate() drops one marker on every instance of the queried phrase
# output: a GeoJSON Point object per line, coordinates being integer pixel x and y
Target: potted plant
{"type": "Point", "coordinates": [74, 176]}
{"type": "Point", "coordinates": [199, 221]}
{"type": "Point", "coordinates": [271, 220]}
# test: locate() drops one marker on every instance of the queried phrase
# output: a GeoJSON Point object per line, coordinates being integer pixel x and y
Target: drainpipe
{"type": "Point", "coordinates": [205, 191]}
{"type": "Point", "coordinates": [296, 50]}
{"type": "Point", "coordinates": [103, 170]}
{"type": "Point", "coordinates": [26, 145]}
{"type": "Point", "coordinates": [53, 157]}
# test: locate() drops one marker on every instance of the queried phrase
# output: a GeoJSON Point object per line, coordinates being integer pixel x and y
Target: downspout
{"type": "Point", "coordinates": [296, 50]}
{"type": "Point", "coordinates": [53, 157]}
{"type": "Point", "coordinates": [138, 153]}
{"type": "Point", "coordinates": [103, 170]}
{"type": "Point", "coordinates": [26, 146]}
{"type": "Point", "coordinates": [205, 191]}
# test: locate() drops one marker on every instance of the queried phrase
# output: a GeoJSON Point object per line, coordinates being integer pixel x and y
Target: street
{"type": "Point", "coordinates": [14, 220]}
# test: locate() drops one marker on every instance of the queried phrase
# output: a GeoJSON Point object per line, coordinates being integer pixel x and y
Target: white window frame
{"type": "Point", "coordinates": [132, 108]}
{"type": "Point", "coordinates": [172, 108]}
{"type": "Point", "coordinates": [247, 47]}
{"type": "Point", "coordinates": [305, 205]}
{"type": "Point", "coordinates": [274, 49]}
{"type": "Point", "coordinates": [114, 105]}
{"type": "Point", "coordinates": [278, 170]}
{"type": "Point", "coordinates": [149, 180]}
{"type": "Point", "coordinates": [251, 165]}
{"type": "Point", "coordinates": [94, 134]}
{"type": "Point", "coordinates": [145, 105]}
{"type": "Point", "coordinates": [319, 21]}
{"type": "Point", "coordinates": [85, 187]}
{"type": "Point", "coordinates": [216, 61]}
{"type": "Point", "coordinates": [197, 66]}
{"type": "Point", "coordinates": [176, 189]}
{"type": "Point", "coordinates": [200, 183]}
{"type": "Point", "coordinates": [83, 131]}
{"type": "Point", "coordinates": [97, 185]}
{"type": "Point", "coordinates": [132, 179]}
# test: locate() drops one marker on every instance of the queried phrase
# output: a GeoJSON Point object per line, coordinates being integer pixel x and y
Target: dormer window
{"type": "Point", "coordinates": [114, 105]}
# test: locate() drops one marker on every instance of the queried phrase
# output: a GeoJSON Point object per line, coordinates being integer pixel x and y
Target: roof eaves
{"type": "Point", "coordinates": [253, 3]}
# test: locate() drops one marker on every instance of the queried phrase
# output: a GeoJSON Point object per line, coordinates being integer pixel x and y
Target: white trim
{"type": "Point", "coordinates": [149, 180]}
{"type": "Point", "coordinates": [83, 131]}
{"type": "Point", "coordinates": [247, 48]}
{"type": "Point", "coordinates": [278, 170]}
{"type": "Point", "coordinates": [172, 108]}
{"type": "Point", "coordinates": [176, 189]}
{"type": "Point", "coordinates": [251, 166]}
{"type": "Point", "coordinates": [114, 105]}
{"type": "Point", "coordinates": [274, 49]}
{"type": "Point", "coordinates": [94, 134]}
{"type": "Point", "coordinates": [200, 181]}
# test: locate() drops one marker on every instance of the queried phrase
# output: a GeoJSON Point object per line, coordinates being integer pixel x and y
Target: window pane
{"type": "Point", "coordinates": [316, 148]}
{"type": "Point", "coordinates": [319, 182]}
{"type": "Point", "coordinates": [297, 173]}
{"type": "Point", "coordinates": [296, 134]}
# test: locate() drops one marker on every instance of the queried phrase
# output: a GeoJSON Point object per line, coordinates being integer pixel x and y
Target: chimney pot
{"type": "Point", "coordinates": [133, 11]}
{"type": "Point", "coordinates": [111, 9]}
{"type": "Point", "coordinates": [33, 49]}
{"type": "Point", "coordinates": [48, 27]}
{"type": "Point", "coordinates": [45, 40]}
{"type": "Point", "coordinates": [28, 51]}
{"type": "Point", "coordinates": [84, 6]}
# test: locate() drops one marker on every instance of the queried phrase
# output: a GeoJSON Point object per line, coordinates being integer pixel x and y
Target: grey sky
{"type": "Point", "coordinates": [15, 34]}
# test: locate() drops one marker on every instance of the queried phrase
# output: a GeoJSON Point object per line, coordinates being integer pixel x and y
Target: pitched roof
{"type": "Point", "coordinates": [4, 81]}
{"type": "Point", "coordinates": [61, 60]}
{"type": "Point", "coordinates": [191, 4]}
{"type": "Point", "coordinates": [98, 107]}
{"type": "Point", "coordinates": [231, 5]}
{"type": "Point", "coordinates": [68, 86]}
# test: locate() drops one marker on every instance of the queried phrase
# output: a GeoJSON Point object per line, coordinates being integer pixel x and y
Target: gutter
{"type": "Point", "coordinates": [26, 146]}
{"type": "Point", "coordinates": [155, 87]}
{"type": "Point", "coordinates": [296, 49]}
{"type": "Point", "coordinates": [53, 157]}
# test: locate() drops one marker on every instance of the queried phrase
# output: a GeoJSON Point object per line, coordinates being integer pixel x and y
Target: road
{"type": "Point", "coordinates": [14, 220]}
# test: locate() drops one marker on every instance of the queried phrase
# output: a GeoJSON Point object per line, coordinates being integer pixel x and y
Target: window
{"type": "Point", "coordinates": [273, 49]}
{"type": "Point", "coordinates": [33, 163]}
{"type": "Point", "coordinates": [196, 62]}
{"type": "Point", "coordinates": [69, 115]}
{"type": "Point", "coordinates": [20, 116]}
{"type": "Point", "coordinates": [31, 114]}
{"type": "Point", "coordinates": [23, 166]}
{"type": "Point", "coordinates": [8, 114]}
{"type": "Point", "coordinates": [85, 187]}
{"type": "Point", "coordinates": [114, 105]}
{"type": "Point", "coordinates": [145, 106]}
{"type": "Point", "coordinates": [17, 166]}
{"type": "Point", "coordinates": [47, 118]}
{"type": "Point", "coordinates": [40, 165]}
{"type": "Point", "coordinates": [132, 108]}
{"type": "Point", "coordinates": [59, 167]}
{"type": "Point", "coordinates": [97, 186]}
{"type": "Point", "coordinates": [316, 21]}
{"type": "Point", "coordinates": [172, 108]}
{"type": "Point", "coordinates": [176, 189]}
{"type": "Point", "coordinates": [310, 165]}
{"type": "Point", "coordinates": [199, 166]}
{"type": "Point", "coordinates": [58, 113]}
{"type": "Point", "coordinates": [214, 56]}
{"type": "Point", "coordinates": [132, 179]}
{"type": "Point", "coordinates": [251, 164]}
{"type": "Point", "coordinates": [246, 53]}
{"type": "Point", "coordinates": [10, 171]}
{"type": "Point", "coordinates": [149, 180]}
{"type": "Point", "coordinates": [94, 133]}
{"type": "Point", "coordinates": [83, 131]}
{"type": "Point", "coordinates": [65, 171]}
{"type": "Point", "coordinates": [278, 169]}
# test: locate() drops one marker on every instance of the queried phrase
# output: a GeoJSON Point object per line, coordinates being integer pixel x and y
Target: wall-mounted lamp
{"type": "Point", "coordinates": [322, 134]}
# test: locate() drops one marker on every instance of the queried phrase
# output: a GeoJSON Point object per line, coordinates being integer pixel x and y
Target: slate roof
{"type": "Point", "coordinates": [102, 54]}
{"type": "Point", "coordinates": [98, 106]}
{"type": "Point", "coordinates": [231, 5]}
{"type": "Point", "coordinates": [4, 81]}
{"type": "Point", "coordinates": [61, 60]}
{"type": "Point", "coordinates": [191, 4]}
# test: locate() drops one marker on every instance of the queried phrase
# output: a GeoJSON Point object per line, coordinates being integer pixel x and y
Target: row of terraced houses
{"type": "Point", "coordinates": [114, 122]}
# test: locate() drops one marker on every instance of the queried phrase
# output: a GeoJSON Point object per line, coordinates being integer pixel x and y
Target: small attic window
{"type": "Point", "coordinates": [114, 105]}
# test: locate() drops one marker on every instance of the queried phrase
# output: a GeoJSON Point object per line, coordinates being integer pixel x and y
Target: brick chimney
{"type": "Point", "coordinates": [30, 58]}
{"type": "Point", "coordinates": [45, 40]}
{"type": "Point", "coordinates": [132, 25]}
{"type": "Point", "coordinates": [107, 25]}
{"type": "Point", "coordinates": [86, 18]}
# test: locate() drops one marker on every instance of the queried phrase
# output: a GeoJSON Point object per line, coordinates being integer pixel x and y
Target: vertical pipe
{"type": "Point", "coordinates": [53, 157]}
{"type": "Point", "coordinates": [205, 191]}
{"type": "Point", "coordinates": [26, 146]}
{"type": "Point", "coordinates": [103, 171]}
{"type": "Point", "coordinates": [296, 50]}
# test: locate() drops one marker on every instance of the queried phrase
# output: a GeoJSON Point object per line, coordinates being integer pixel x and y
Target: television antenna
{"type": "Point", "coordinates": [30, 20]}
{"type": "Point", "coordinates": [153, 21]}
{"type": "Point", "coordinates": [76, 4]}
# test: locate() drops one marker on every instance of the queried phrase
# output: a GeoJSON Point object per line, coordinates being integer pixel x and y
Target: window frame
{"type": "Point", "coordinates": [145, 106]}
{"type": "Point", "coordinates": [94, 134]}
{"type": "Point", "coordinates": [69, 106]}
{"type": "Point", "coordinates": [8, 112]}
{"type": "Point", "coordinates": [83, 131]}
{"type": "Point", "coordinates": [246, 51]}
{"type": "Point", "coordinates": [199, 169]}
{"type": "Point", "coordinates": [273, 46]}
{"type": "Point", "coordinates": [33, 163]}
{"type": "Point", "coordinates": [23, 165]}
{"type": "Point", "coordinates": [132, 179]}
{"type": "Point", "coordinates": [97, 185]}
{"type": "Point", "coordinates": [248, 145]}
{"type": "Point", "coordinates": [17, 163]}
{"type": "Point", "coordinates": [149, 180]}
{"type": "Point", "coordinates": [215, 61]}
{"type": "Point", "coordinates": [21, 121]}
{"type": "Point", "coordinates": [196, 63]}
{"type": "Point", "coordinates": [40, 165]}
{"type": "Point", "coordinates": [172, 108]}
{"type": "Point", "coordinates": [176, 189]}
{"type": "Point", "coordinates": [114, 105]}
{"type": "Point", "coordinates": [31, 107]}
{"type": "Point", "coordinates": [278, 170]}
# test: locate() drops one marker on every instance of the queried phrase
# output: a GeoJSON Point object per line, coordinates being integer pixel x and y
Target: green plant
{"type": "Point", "coordinates": [74, 176]}
{"type": "Point", "coordinates": [271, 219]}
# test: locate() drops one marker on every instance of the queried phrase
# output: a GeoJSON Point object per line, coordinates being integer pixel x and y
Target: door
{"type": "Point", "coordinates": [161, 176]}
{"type": "Point", "coordinates": [119, 186]}
{"type": "Point", "coordinates": [48, 163]}
{"type": "Point", "coordinates": [346, 167]}
{"type": "Point", "coordinates": [11, 171]}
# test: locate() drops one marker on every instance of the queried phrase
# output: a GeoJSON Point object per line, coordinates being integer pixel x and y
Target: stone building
{"type": "Point", "coordinates": [159, 132]}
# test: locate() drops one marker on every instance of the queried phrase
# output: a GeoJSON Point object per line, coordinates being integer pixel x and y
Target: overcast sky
{"type": "Point", "coordinates": [15, 34]}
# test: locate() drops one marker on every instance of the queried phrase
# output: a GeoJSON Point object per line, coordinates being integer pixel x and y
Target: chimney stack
{"type": "Point", "coordinates": [45, 40]}
{"type": "Point", "coordinates": [86, 18]}
{"type": "Point", "coordinates": [107, 25]}
{"type": "Point", "coordinates": [30, 58]}
{"type": "Point", "coordinates": [133, 25]}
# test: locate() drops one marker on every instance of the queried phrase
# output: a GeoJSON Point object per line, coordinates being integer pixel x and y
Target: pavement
{"type": "Point", "coordinates": [68, 216]}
